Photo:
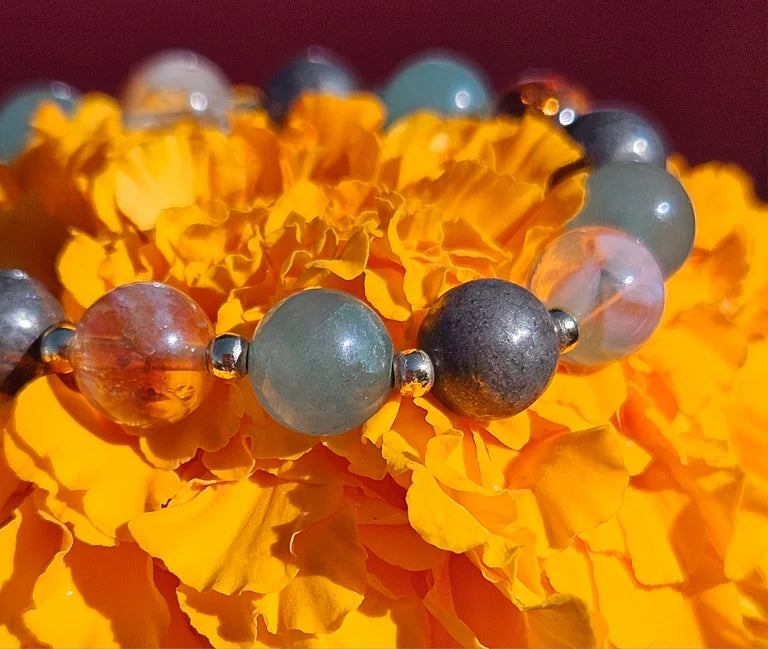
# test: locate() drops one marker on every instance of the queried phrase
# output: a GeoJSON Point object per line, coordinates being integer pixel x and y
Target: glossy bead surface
{"type": "Point", "coordinates": [27, 309]}
{"type": "Point", "coordinates": [414, 373]}
{"type": "Point", "coordinates": [494, 348]}
{"type": "Point", "coordinates": [18, 108]}
{"type": "Point", "coordinates": [317, 70]}
{"type": "Point", "coordinates": [320, 362]}
{"type": "Point", "coordinates": [546, 93]}
{"type": "Point", "coordinates": [440, 83]}
{"type": "Point", "coordinates": [566, 328]}
{"type": "Point", "coordinates": [173, 85]}
{"type": "Point", "coordinates": [609, 283]}
{"type": "Point", "coordinates": [645, 202]}
{"type": "Point", "coordinates": [618, 136]}
{"type": "Point", "coordinates": [54, 348]}
{"type": "Point", "coordinates": [139, 354]}
{"type": "Point", "coordinates": [228, 357]}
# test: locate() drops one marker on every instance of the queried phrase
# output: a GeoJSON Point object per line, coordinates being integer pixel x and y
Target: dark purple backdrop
{"type": "Point", "coordinates": [699, 66]}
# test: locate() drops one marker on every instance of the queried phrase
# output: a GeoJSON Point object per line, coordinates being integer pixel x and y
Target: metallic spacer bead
{"type": "Point", "coordinates": [414, 373]}
{"type": "Point", "coordinates": [53, 348]}
{"type": "Point", "coordinates": [567, 329]}
{"type": "Point", "coordinates": [227, 357]}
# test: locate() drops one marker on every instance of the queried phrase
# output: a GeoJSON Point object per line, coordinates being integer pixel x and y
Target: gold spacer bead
{"type": "Point", "coordinates": [53, 348]}
{"type": "Point", "coordinates": [414, 373]}
{"type": "Point", "coordinates": [566, 328]}
{"type": "Point", "coordinates": [227, 357]}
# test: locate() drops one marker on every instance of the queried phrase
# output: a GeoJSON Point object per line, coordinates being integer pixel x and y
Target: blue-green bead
{"type": "Point", "coordinates": [438, 83]}
{"type": "Point", "coordinates": [19, 108]}
{"type": "Point", "coordinates": [320, 362]}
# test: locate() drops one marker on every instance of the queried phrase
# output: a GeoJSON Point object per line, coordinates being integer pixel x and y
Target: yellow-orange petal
{"type": "Point", "coordinates": [560, 621]}
{"type": "Point", "coordinates": [226, 620]}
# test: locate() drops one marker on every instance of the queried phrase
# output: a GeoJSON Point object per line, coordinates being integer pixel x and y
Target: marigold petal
{"type": "Point", "coordinates": [226, 620]}
{"type": "Point", "coordinates": [561, 621]}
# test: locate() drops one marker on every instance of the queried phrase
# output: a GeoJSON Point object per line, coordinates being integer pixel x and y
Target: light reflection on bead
{"type": "Point", "coordinates": [567, 329]}
{"type": "Point", "coordinates": [609, 283]}
{"type": "Point", "coordinates": [228, 357]}
{"type": "Point", "coordinates": [414, 373]}
{"type": "Point", "coordinates": [53, 348]}
{"type": "Point", "coordinates": [546, 93]}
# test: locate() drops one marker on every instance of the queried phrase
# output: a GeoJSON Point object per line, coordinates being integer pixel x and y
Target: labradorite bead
{"type": "Point", "coordinates": [320, 362]}
{"type": "Point", "coordinates": [317, 70]}
{"type": "Point", "coordinates": [439, 83]}
{"type": "Point", "coordinates": [618, 136]}
{"type": "Point", "coordinates": [19, 108]}
{"type": "Point", "coordinates": [646, 202]}
{"type": "Point", "coordinates": [27, 309]}
{"type": "Point", "coordinates": [494, 348]}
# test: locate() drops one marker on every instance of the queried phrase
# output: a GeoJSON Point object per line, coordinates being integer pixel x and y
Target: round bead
{"type": "Point", "coordinates": [440, 83]}
{"type": "Point", "coordinates": [317, 70]}
{"type": "Point", "coordinates": [139, 354]}
{"type": "Point", "coordinates": [228, 357]}
{"type": "Point", "coordinates": [618, 136]}
{"type": "Point", "coordinates": [494, 348]}
{"type": "Point", "coordinates": [566, 328]}
{"type": "Point", "coordinates": [645, 202]}
{"type": "Point", "coordinates": [27, 309]}
{"type": "Point", "coordinates": [548, 94]}
{"type": "Point", "coordinates": [320, 362]}
{"type": "Point", "coordinates": [176, 84]}
{"type": "Point", "coordinates": [414, 373]}
{"type": "Point", "coordinates": [19, 108]}
{"type": "Point", "coordinates": [609, 283]}
{"type": "Point", "coordinates": [54, 352]}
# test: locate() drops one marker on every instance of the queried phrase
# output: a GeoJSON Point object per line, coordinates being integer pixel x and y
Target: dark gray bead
{"type": "Point", "coordinates": [27, 309]}
{"type": "Point", "coordinates": [316, 70]}
{"type": "Point", "coordinates": [494, 348]}
{"type": "Point", "coordinates": [618, 136]}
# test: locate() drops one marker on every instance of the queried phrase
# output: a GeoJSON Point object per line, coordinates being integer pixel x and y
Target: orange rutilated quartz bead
{"type": "Point", "coordinates": [139, 354]}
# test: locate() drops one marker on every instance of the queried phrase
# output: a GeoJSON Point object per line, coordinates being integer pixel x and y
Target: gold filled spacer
{"type": "Point", "coordinates": [227, 357]}
{"type": "Point", "coordinates": [566, 328]}
{"type": "Point", "coordinates": [414, 373]}
{"type": "Point", "coordinates": [53, 348]}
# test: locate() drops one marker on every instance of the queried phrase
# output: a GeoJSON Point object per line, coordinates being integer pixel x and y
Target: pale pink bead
{"type": "Point", "coordinates": [609, 283]}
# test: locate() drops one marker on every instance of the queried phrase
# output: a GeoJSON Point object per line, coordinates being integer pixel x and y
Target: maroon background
{"type": "Point", "coordinates": [700, 67]}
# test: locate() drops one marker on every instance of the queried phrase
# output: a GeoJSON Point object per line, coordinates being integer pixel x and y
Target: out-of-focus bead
{"type": "Point", "coordinates": [316, 70]}
{"type": "Point", "coordinates": [414, 373]}
{"type": "Point", "coordinates": [618, 136]}
{"type": "Point", "coordinates": [173, 85]}
{"type": "Point", "coordinates": [442, 83]}
{"type": "Point", "coordinates": [54, 348]}
{"type": "Point", "coordinates": [139, 354]}
{"type": "Point", "coordinates": [18, 108]}
{"type": "Point", "coordinates": [27, 309]}
{"type": "Point", "coordinates": [546, 93]}
{"type": "Point", "coordinates": [320, 362]}
{"type": "Point", "coordinates": [494, 348]}
{"type": "Point", "coordinates": [646, 202]}
{"type": "Point", "coordinates": [228, 357]}
{"type": "Point", "coordinates": [609, 283]}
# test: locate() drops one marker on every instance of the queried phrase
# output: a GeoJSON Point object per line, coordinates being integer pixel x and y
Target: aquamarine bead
{"type": "Point", "coordinates": [320, 362]}
{"type": "Point", "coordinates": [609, 283]}
{"type": "Point", "coordinates": [439, 83]}
{"type": "Point", "coordinates": [18, 109]}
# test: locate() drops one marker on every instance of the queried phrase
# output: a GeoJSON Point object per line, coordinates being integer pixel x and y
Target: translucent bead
{"type": "Point", "coordinates": [27, 309]}
{"type": "Point", "coordinates": [644, 201]}
{"type": "Point", "coordinates": [317, 70]}
{"type": "Point", "coordinates": [176, 84]}
{"type": "Point", "coordinates": [139, 354]}
{"type": "Point", "coordinates": [18, 108]}
{"type": "Point", "coordinates": [441, 83]}
{"type": "Point", "coordinates": [320, 362]}
{"type": "Point", "coordinates": [609, 283]}
{"type": "Point", "coordinates": [546, 93]}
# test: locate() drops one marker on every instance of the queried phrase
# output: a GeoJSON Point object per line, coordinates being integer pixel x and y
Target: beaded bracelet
{"type": "Point", "coordinates": [321, 362]}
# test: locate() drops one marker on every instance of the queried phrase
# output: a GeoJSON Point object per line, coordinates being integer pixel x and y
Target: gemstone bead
{"type": "Point", "coordinates": [618, 136]}
{"type": "Point", "coordinates": [545, 93]}
{"type": "Point", "coordinates": [139, 354]}
{"type": "Point", "coordinates": [317, 70]}
{"type": "Point", "coordinates": [645, 202]}
{"type": "Point", "coordinates": [609, 283]}
{"type": "Point", "coordinates": [176, 84]}
{"type": "Point", "coordinates": [18, 108]}
{"type": "Point", "coordinates": [440, 83]}
{"type": "Point", "coordinates": [320, 362]}
{"type": "Point", "coordinates": [493, 346]}
{"type": "Point", "coordinates": [27, 309]}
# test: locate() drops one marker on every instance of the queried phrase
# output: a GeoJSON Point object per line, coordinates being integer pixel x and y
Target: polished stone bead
{"type": "Point", "coordinates": [27, 309]}
{"type": "Point", "coordinates": [646, 202]}
{"type": "Point", "coordinates": [546, 93]}
{"type": "Point", "coordinates": [18, 108]}
{"type": "Point", "coordinates": [139, 354]}
{"type": "Point", "coordinates": [439, 83]}
{"type": "Point", "coordinates": [493, 346]}
{"type": "Point", "coordinates": [173, 85]}
{"type": "Point", "coordinates": [317, 70]}
{"type": "Point", "coordinates": [320, 362]}
{"type": "Point", "coordinates": [609, 283]}
{"type": "Point", "coordinates": [618, 136]}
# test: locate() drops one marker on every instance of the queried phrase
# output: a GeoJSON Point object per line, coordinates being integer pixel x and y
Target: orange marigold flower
{"type": "Point", "coordinates": [627, 507]}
